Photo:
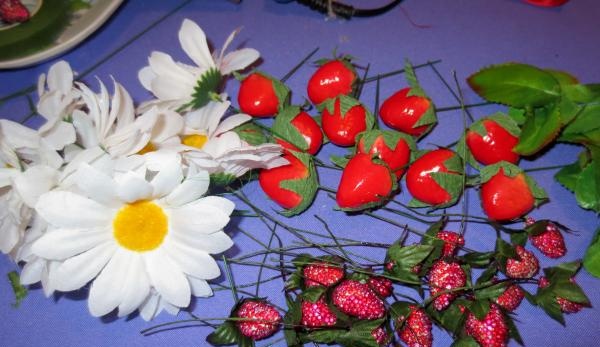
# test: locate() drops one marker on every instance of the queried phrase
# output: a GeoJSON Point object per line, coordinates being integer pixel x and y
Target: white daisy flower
{"type": "Point", "coordinates": [128, 236]}
{"type": "Point", "coordinates": [58, 100]}
{"type": "Point", "coordinates": [181, 86]}
{"type": "Point", "coordinates": [21, 146]}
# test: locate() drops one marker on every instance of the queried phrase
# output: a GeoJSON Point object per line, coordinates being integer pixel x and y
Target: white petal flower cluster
{"type": "Point", "coordinates": [112, 198]}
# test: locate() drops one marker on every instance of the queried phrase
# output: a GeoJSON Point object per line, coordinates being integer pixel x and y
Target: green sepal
{"type": "Point", "coordinates": [414, 203]}
{"type": "Point", "coordinates": [492, 292]}
{"type": "Point", "coordinates": [221, 179]}
{"type": "Point", "coordinates": [541, 127]}
{"type": "Point", "coordinates": [359, 334]}
{"type": "Point", "coordinates": [292, 318]}
{"type": "Point", "coordinates": [18, 289]}
{"type": "Point", "coordinates": [390, 138]}
{"type": "Point", "coordinates": [313, 293]}
{"type": "Point", "coordinates": [591, 260]}
{"type": "Point", "coordinates": [477, 259]}
{"type": "Point", "coordinates": [466, 341]}
{"type": "Point", "coordinates": [463, 150]}
{"type": "Point", "coordinates": [450, 319]}
{"type": "Point", "coordinates": [517, 114]}
{"type": "Point", "coordinates": [294, 281]}
{"type": "Point", "coordinates": [518, 238]}
{"type": "Point", "coordinates": [207, 85]}
{"type": "Point", "coordinates": [227, 333]}
{"type": "Point", "coordinates": [305, 187]}
{"type": "Point", "coordinates": [400, 310]}
{"type": "Point", "coordinates": [502, 119]}
{"type": "Point", "coordinates": [539, 194]}
{"type": "Point", "coordinates": [510, 170]}
{"type": "Point", "coordinates": [251, 133]}
{"type": "Point", "coordinates": [517, 85]}
{"type": "Point", "coordinates": [479, 308]}
{"type": "Point", "coordinates": [283, 127]}
{"type": "Point", "coordinates": [560, 277]}
{"type": "Point", "coordinates": [513, 332]}
{"type": "Point", "coordinates": [340, 161]}
{"type": "Point", "coordinates": [346, 103]}
{"type": "Point", "coordinates": [452, 183]}
{"type": "Point", "coordinates": [504, 251]}
{"type": "Point", "coordinates": [429, 117]}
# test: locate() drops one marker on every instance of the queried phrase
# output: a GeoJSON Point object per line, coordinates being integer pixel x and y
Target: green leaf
{"type": "Point", "coordinates": [467, 341]}
{"type": "Point", "coordinates": [251, 133]}
{"type": "Point", "coordinates": [450, 319]}
{"type": "Point", "coordinates": [513, 332]}
{"type": "Point", "coordinates": [313, 293]}
{"type": "Point", "coordinates": [517, 85]}
{"type": "Point", "coordinates": [306, 187]}
{"type": "Point", "coordinates": [340, 161]}
{"type": "Point", "coordinates": [505, 249]}
{"type": "Point", "coordinates": [587, 190]}
{"type": "Point", "coordinates": [207, 85]}
{"type": "Point", "coordinates": [540, 128]}
{"type": "Point", "coordinates": [547, 301]}
{"type": "Point", "coordinates": [324, 336]}
{"type": "Point", "coordinates": [222, 179]}
{"type": "Point", "coordinates": [569, 175]}
{"type": "Point", "coordinates": [478, 259]}
{"type": "Point", "coordinates": [294, 281]}
{"type": "Point", "coordinates": [571, 292]}
{"type": "Point", "coordinates": [409, 256]}
{"type": "Point", "coordinates": [479, 308]}
{"type": "Point", "coordinates": [518, 115]}
{"type": "Point", "coordinates": [591, 261]}
{"type": "Point", "coordinates": [292, 317]}
{"type": "Point", "coordinates": [360, 334]}
{"type": "Point", "coordinates": [225, 334]}
{"type": "Point", "coordinates": [537, 228]}
{"type": "Point", "coordinates": [582, 128]}
{"type": "Point", "coordinates": [411, 78]}
{"type": "Point", "coordinates": [488, 274]}
{"type": "Point", "coordinates": [19, 290]}
{"type": "Point", "coordinates": [400, 309]}
{"type": "Point", "coordinates": [491, 292]}
{"type": "Point", "coordinates": [518, 238]}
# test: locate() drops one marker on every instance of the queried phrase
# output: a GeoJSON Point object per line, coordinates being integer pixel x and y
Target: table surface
{"type": "Point", "coordinates": [465, 34]}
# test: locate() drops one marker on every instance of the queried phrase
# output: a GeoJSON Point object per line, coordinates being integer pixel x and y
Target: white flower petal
{"type": "Point", "coordinates": [60, 77]}
{"type": "Point", "coordinates": [34, 182]}
{"type": "Point", "coordinates": [133, 188]}
{"type": "Point", "coordinates": [75, 272]}
{"type": "Point", "coordinates": [105, 292]}
{"type": "Point", "coordinates": [192, 261]}
{"type": "Point", "coordinates": [32, 272]}
{"type": "Point", "coordinates": [224, 205]}
{"type": "Point", "coordinates": [190, 189]}
{"type": "Point", "coordinates": [86, 132]}
{"type": "Point", "coordinates": [149, 308]}
{"type": "Point", "coordinates": [146, 76]}
{"type": "Point", "coordinates": [167, 179]}
{"type": "Point", "coordinates": [136, 287]}
{"type": "Point", "coordinates": [231, 122]}
{"type": "Point", "coordinates": [200, 287]}
{"type": "Point", "coordinates": [166, 277]}
{"type": "Point", "coordinates": [60, 135]}
{"type": "Point", "coordinates": [69, 210]}
{"type": "Point", "coordinates": [238, 60]}
{"type": "Point", "coordinates": [64, 243]}
{"type": "Point", "coordinates": [96, 185]}
{"type": "Point", "coordinates": [214, 243]}
{"type": "Point", "coordinates": [203, 219]}
{"type": "Point", "coordinates": [193, 42]}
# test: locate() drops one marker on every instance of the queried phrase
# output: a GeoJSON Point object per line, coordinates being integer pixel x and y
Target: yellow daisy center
{"type": "Point", "coordinates": [149, 147]}
{"type": "Point", "coordinates": [196, 140]}
{"type": "Point", "coordinates": [140, 226]}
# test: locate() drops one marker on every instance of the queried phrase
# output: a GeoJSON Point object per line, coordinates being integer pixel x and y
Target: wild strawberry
{"type": "Point", "coordinates": [511, 298]}
{"type": "Point", "coordinates": [381, 285]}
{"type": "Point", "coordinates": [415, 330]}
{"type": "Point", "coordinates": [322, 274]}
{"type": "Point", "coordinates": [444, 276]}
{"type": "Point", "coordinates": [550, 242]}
{"type": "Point", "coordinates": [525, 265]}
{"type": "Point", "coordinates": [381, 336]}
{"type": "Point", "coordinates": [357, 299]}
{"type": "Point", "coordinates": [262, 319]}
{"type": "Point", "coordinates": [452, 241]}
{"type": "Point", "coordinates": [566, 306]}
{"type": "Point", "coordinates": [13, 11]}
{"type": "Point", "coordinates": [491, 331]}
{"type": "Point", "coordinates": [317, 314]}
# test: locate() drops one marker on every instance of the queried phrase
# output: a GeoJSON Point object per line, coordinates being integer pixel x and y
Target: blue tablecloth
{"type": "Point", "coordinates": [465, 34]}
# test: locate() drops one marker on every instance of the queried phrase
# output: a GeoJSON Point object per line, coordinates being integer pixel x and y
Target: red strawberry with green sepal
{"type": "Point", "coordinates": [435, 179]}
{"type": "Point", "coordinates": [490, 331]}
{"type": "Point", "coordinates": [392, 147]}
{"type": "Point", "coordinates": [13, 11]}
{"type": "Point", "coordinates": [492, 139]}
{"type": "Point", "coordinates": [317, 314]}
{"type": "Point", "coordinates": [262, 319]}
{"type": "Point", "coordinates": [511, 298]}
{"type": "Point", "coordinates": [452, 241]}
{"type": "Point", "coordinates": [343, 118]}
{"type": "Point", "coordinates": [526, 265]}
{"type": "Point", "coordinates": [409, 110]}
{"type": "Point", "coordinates": [292, 186]}
{"type": "Point", "coordinates": [322, 274]}
{"type": "Point", "coordinates": [381, 286]}
{"type": "Point", "coordinates": [365, 183]}
{"type": "Point", "coordinates": [507, 192]}
{"type": "Point", "coordinates": [415, 330]}
{"type": "Point", "coordinates": [549, 240]}
{"type": "Point", "coordinates": [296, 130]}
{"type": "Point", "coordinates": [261, 95]}
{"type": "Point", "coordinates": [332, 79]}
{"type": "Point", "coordinates": [445, 275]}
{"type": "Point", "coordinates": [356, 299]}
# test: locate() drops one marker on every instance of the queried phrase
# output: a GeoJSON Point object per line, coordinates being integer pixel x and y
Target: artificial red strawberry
{"type": "Point", "coordinates": [452, 241]}
{"type": "Point", "coordinates": [381, 336]}
{"type": "Point", "coordinates": [415, 330]}
{"type": "Point", "coordinates": [334, 78]}
{"type": "Point", "coordinates": [550, 242]}
{"type": "Point", "coordinates": [258, 95]}
{"type": "Point", "coordinates": [13, 11]}
{"type": "Point", "coordinates": [357, 299]}
{"type": "Point", "coordinates": [524, 266]}
{"type": "Point", "coordinates": [490, 142]}
{"type": "Point", "coordinates": [322, 274]}
{"type": "Point", "coordinates": [506, 193]}
{"type": "Point", "coordinates": [566, 306]}
{"type": "Point", "coordinates": [343, 118]}
{"type": "Point", "coordinates": [547, 3]}
{"type": "Point", "coordinates": [296, 130]}
{"type": "Point", "coordinates": [443, 276]}
{"type": "Point", "coordinates": [317, 314]}
{"type": "Point", "coordinates": [262, 319]}
{"type": "Point", "coordinates": [364, 183]}
{"type": "Point", "coordinates": [381, 285]}
{"type": "Point", "coordinates": [491, 331]}
{"type": "Point", "coordinates": [511, 298]}
{"type": "Point", "coordinates": [403, 111]}
{"type": "Point", "coordinates": [391, 147]}
{"type": "Point", "coordinates": [292, 186]}
{"type": "Point", "coordinates": [435, 178]}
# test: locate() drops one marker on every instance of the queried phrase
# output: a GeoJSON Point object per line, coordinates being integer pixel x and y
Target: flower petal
{"type": "Point", "coordinates": [149, 308]}
{"type": "Point", "coordinates": [105, 292]}
{"type": "Point", "coordinates": [193, 42]}
{"type": "Point", "coordinates": [64, 243]}
{"type": "Point", "coordinates": [34, 182]}
{"type": "Point", "coordinates": [167, 278]}
{"type": "Point", "coordinates": [192, 261]}
{"type": "Point", "coordinates": [97, 185]}
{"type": "Point", "coordinates": [69, 210]}
{"type": "Point", "coordinates": [224, 205]}
{"type": "Point", "coordinates": [190, 189]}
{"type": "Point", "coordinates": [202, 219]}
{"type": "Point", "coordinates": [75, 272]}
{"type": "Point", "coordinates": [60, 135]}
{"type": "Point", "coordinates": [214, 243]}
{"type": "Point", "coordinates": [200, 287]}
{"type": "Point", "coordinates": [60, 77]}
{"type": "Point", "coordinates": [238, 60]}
{"type": "Point", "coordinates": [231, 122]}
{"type": "Point", "coordinates": [167, 179]}
{"type": "Point", "coordinates": [133, 188]}
{"type": "Point", "coordinates": [32, 272]}
{"type": "Point", "coordinates": [136, 287]}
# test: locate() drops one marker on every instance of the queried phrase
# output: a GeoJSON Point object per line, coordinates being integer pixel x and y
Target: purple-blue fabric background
{"type": "Point", "coordinates": [465, 34]}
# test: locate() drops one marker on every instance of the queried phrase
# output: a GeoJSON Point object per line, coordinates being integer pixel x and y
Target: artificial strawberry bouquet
{"type": "Point", "coordinates": [141, 195]}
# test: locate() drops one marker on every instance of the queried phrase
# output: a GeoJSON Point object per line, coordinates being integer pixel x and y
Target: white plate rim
{"type": "Point", "coordinates": [78, 30]}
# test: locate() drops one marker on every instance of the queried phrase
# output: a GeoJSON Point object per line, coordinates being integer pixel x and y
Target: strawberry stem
{"type": "Point", "coordinates": [299, 65]}
{"type": "Point", "coordinates": [400, 71]}
{"type": "Point", "coordinates": [458, 107]}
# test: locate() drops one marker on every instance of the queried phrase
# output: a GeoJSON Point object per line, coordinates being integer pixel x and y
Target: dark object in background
{"type": "Point", "coordinates": [336, 8]}
{"type": "Point", "coordinates": [547, 3]}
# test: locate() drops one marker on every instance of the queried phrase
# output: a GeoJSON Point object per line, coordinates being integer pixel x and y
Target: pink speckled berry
{"type": "Point", "coordinates": [262, 319]}
{"type": "Point", "coordinates": [357, 299]}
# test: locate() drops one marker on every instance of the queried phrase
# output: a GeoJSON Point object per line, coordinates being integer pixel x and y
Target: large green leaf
{"type": "Point", "coordinates": [587, 190]}
{"type": "Point", "coordinates": [517, 85]}
{"type": "Point", "coordinates": [591, 261]}
{"type": "Point", "coordinates": [541, 127]}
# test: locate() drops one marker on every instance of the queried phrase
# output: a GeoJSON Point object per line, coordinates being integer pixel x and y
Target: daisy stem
{"type": "Point", "coordinates": [230, 279]}
{"type": "Point", "coordinates": [397, 72]}
{"type": "Point", "coordinates": [299, 65]}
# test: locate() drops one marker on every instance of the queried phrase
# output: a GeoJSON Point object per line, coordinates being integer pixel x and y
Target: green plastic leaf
{"type": "Point", "coordinates": [313, 293]}
{"type": "Point", "coordinates": [571, 292]}
{"type": "Point", "coordinates": [283, 127]}
{"type": "Point", "coordinates": [411, 78]}
{"type": "Point", "coordinates": [479, 308]}
{"type": "Point", "coordinates": [478, 259]}
{"type": "Point", "coordinates": [225, 334]}
{"type": "Point", "coordinates": [540, 128]}
{"type": "Point", "coordinates": [251, 133]}
{"type": "Point", "coordinates": [400, 309]}
{"type": "Point", "coordinates": [587, 190]}
{"type": "Point", "coordinates": [517, 85]}
{"type": "Point", "coordinates": [513, 332]}
{"type": "Point", "coordinates": [360, 334]}
{"type": "Point", "coordinates": [580, 130]}
{"type": "Point", "coordinates": [340, 161]}
{"type": "Point", "coordinates": [19, 290]}
{"type": "Point", "coordinates": [409, 256]}
{"type": "Point", "coordinates": [569, 175]}
{"type": "Point", "coordinates": [207, 85]}
{"type": "Point", "coordinates": [591, 261]}
{"type": "Point", "coordinates": [489, 171]}
{"type": "Point", "coordinates": [467, 341]}
{"type": "Point", "coordinates": [492, 292]}
{"type": "Point", "coordinates": [450, 319]}
{"type": "Point", "coordinates": [324, 336]}
{"type": "Point", "coordinates": [222, 179]}
{"type": "Point", "coordinates": [306, 187]}
{"type": "Point", "coordinates": [488, 274]}
{"type": "Point", "coordinates": [517, 114]}
{"type": "Point", "coordinates": [518, 238]}
{"type": "Point", "coordinates": [547, 301]}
